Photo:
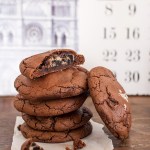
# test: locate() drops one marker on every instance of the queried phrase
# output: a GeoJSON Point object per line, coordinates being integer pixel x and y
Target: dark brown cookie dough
{"type": "Point", "coordinates": [49, 107]}
{"type": "Point", "coordinates": [51, 61]}
{"type": "Point", "coordinates": [111, 101]}
{"type": "Point", "coordinates": [64, 122]}
{"type": "Point", "coordinates": [66, 83]}
{"type": "Point", "coordinates": [56, 137]}
{"type": "Point", "coordinates": [29, 144]}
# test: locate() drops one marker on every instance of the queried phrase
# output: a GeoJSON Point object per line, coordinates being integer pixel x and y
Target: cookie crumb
{"type": "Point", "coordinates": [78, 144]}
{"type": "Point", "coordinates": [19, 127]}
{"type": "Point", "coordinates": [29, 144]}
{"type": "Point", "coordinates": [67, 148]}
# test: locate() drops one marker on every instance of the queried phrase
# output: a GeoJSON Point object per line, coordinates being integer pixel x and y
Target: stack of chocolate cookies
{"type": "Point", "coordinates": [52, 88]}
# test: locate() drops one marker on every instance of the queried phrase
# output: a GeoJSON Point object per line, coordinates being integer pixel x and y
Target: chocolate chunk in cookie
{"type": "Point", "coordinates": [49, 107]}
{"type": "Point", "coordinates": [51, 61]}
{"type": "Point", "coordinates": [62, 84]}
{"type": "Point", "coordinates": [111, 101]}
{"type": "Point", "coordinates": [56, 137]}
{"type": "Point", "coordinates": [64, 122]}
{"type": "Point", "coordinates": [29, 144]}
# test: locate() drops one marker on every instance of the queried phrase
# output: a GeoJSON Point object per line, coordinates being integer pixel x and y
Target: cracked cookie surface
{"type": "Point", "coordinates": [50, 61]}
{"type": "Point", "coordinates": [56, 137]}
{"type": "Point", "coordinates": [64, 122]}
{"type": "Point", "coordinates": [111, 101]}
{"type": "Point", "coordinates": [49, 107]}
{"type": "Point", "coordinates": [62, 84]}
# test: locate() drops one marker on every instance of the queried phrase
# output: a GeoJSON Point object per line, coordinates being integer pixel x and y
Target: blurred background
{"type": "Point", "coordinates": [110, 33]}
{"type": "Point", "coordinates": [28, 27]}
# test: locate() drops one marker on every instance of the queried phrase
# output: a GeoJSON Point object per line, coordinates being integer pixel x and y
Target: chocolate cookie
{"type": "Point", "coordinates": [62, 84]}
{"type": "Point", "coordinates": [111, 101]}
{"type": "Point", "coordinates": [64, 122]}
{"type": "Point", "coordinates": [51, 61]}
{"type": "Point", "coordinates": [56, 137]}
{"type": "Point", "coordinates": [49, 107]}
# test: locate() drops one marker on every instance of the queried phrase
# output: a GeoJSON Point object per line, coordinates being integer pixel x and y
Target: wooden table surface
{"type": "Point", "coordinates": [139, 136]}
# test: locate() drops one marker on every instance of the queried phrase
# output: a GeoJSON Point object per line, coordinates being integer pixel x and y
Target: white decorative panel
{"type": "Point", "coordinates": [29, 27]}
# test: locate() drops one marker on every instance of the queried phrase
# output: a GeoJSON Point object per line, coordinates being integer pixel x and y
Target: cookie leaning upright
{"type": "Point", "coordinates": [50, 61]}
{"type": "Point", "coordinates": [111, 101]}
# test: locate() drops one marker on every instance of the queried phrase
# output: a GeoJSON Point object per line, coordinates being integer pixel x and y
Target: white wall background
{"type": "Point", "coordinates": [114, 34]}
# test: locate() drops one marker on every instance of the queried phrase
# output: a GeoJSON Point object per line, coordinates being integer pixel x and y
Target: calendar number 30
{"type": "Point", "coordinates": [132, 76]}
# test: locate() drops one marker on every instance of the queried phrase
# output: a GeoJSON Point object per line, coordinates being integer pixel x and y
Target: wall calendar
{"type": "Point", "coordinates": [116, 34]}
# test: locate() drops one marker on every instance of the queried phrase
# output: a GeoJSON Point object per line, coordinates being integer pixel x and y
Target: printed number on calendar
{"type": "Point", "coordinates": [132, 76]}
